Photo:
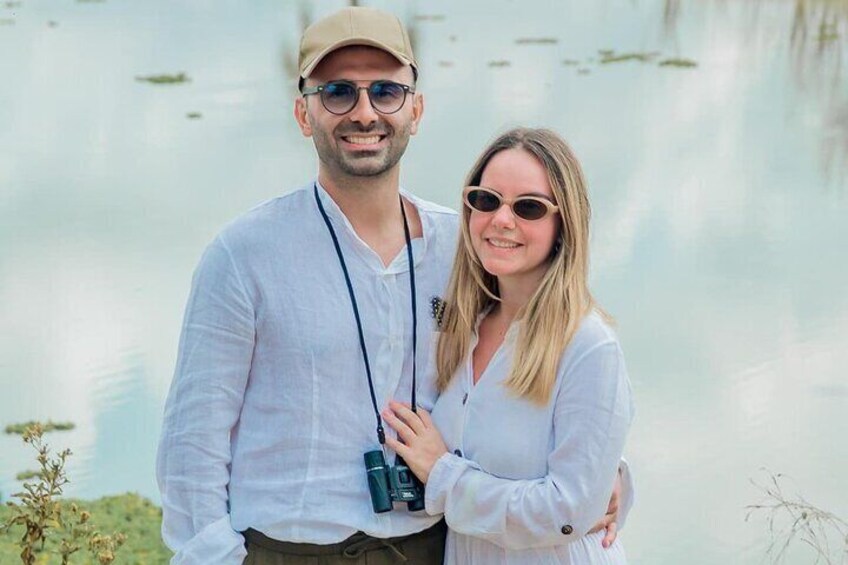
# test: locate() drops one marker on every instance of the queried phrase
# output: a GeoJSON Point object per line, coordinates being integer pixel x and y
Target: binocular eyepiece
{"type": "Point", "coordinates": [392, 483]}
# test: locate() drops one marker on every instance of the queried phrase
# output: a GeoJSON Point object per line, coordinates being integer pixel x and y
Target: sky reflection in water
{"type": "Point", "coordinates": [718, 238]}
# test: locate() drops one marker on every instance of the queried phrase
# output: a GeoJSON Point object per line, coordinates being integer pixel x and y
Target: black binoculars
{"type": "Point", "coordinates": [392, 483]}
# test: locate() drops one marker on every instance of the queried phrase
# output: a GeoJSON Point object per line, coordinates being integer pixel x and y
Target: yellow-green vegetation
{"type": "Point", "coordinates": [27, 475]}
{"type": "Point", "coordinates": [536, 41]}
{"type": "Point", "coordinates": [178, 78]}
{"type": "Point", "coordinates": [792, 520]}
{"type": "Point", "coordinates": [48, 529]}
{"type": "Point", "coordinates": [49, 426]}
{"type": "Point", "coordinates": [681, 63]}
{"type": "Point", "coordinates": [608, 56]}
{"type": "Point", "coordinates": [501, 63]}
{"type": "Point", "coordinates": [138, 518]}
{"type": "Point", "coordinates": [828, 32]}
{"type": "Point", "coordinates": [194, 115]}
{"type": "Point", "coordinates": [11, 5]}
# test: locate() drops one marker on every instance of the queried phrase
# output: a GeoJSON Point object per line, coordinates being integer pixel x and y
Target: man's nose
{"type": "Point", "coordinates": [363, 113]}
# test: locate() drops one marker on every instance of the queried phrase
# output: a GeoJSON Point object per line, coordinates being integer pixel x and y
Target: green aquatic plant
{"type": "Point", "coordinates": [178, 78]}
{"type": "Point", "coordinates": [680, 63]}
{"type": "Point", "coordinates": [49, 426]}
{"type": "Point", "coordinates": [608, 57]}
{"type": "Point", "coordinates": [792, 519]}
{"type": "Point", "coordinates": [536, 41]}
{"type": "Point", "coordinates": [42, 515]}
{"type": "Point", "coordinates": [194, 115]}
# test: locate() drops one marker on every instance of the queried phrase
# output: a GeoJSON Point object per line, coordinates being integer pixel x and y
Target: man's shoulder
{"type": "Point", "coordinates": [270, 217]}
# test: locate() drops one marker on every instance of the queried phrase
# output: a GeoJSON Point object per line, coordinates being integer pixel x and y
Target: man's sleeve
{"type": "Point", "coordinates": [204, 403]}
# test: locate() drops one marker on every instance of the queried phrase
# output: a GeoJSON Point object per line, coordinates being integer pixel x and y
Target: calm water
{"type": "Point", "coordinates": [719, 196]}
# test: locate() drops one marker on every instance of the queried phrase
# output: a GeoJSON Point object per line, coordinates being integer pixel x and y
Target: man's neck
{"type": "Point", "coordinates": [372, 206]}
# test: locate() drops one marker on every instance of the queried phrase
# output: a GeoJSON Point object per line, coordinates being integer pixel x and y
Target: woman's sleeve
{"type": "Point", "coordinates": [592, 415]}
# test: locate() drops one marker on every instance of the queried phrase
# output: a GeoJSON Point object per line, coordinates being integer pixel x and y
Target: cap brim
{"type": "Point", "coordinates": [368, 42]}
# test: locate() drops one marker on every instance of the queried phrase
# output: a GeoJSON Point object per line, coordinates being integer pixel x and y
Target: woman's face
{"type": "Point", "coordinates": [515, 250]}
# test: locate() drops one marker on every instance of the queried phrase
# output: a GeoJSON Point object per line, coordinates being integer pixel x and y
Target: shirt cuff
{"type": "Point", "coordinates": [444, 473]}
{"type": "Point", "coordinates": [628, 493]}
{"type": "Point", "coordinates": [216, 543]}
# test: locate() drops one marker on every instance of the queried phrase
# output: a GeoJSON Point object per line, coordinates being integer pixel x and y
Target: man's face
{"type": "Point", "coordinates": [362, 142]}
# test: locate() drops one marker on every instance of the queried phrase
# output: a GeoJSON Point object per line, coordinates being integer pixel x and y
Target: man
{"type": "Point", "coordinates": [271, 410]}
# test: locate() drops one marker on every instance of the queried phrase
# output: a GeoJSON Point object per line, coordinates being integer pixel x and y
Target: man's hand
{"type": "Point", "coordinates": [608, 522]}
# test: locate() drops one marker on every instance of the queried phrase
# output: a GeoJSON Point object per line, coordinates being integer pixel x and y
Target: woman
{"type": "Point", "coordinates": [535, 402]}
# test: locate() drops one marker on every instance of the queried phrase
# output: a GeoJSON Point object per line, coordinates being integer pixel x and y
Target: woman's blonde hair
{"type": "Point", "coordinates": [562, 300]}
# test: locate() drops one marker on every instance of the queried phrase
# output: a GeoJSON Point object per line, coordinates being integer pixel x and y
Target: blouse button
{"type": "Point", "coordinates": [457, 452]}
{"type": "Point", "coordinates": [464, 398]}
{"type": "Point", "coordinates": [566, 529]}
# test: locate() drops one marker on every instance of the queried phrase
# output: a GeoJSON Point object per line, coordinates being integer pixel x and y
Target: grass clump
{"type": "Point", "coordinates": [178, 78]}
{"type": "Point", "coordinates": [49, 426]}
{"type": "Point", "coordinates": [41, 516]}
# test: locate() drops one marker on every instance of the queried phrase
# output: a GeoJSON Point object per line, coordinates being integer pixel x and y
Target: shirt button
{"type": "Point", "coordinates": [464, 398]}
{"type": "Point", "coordinates": [566, 529]}
{"type": "Point", "coordinates": [457, 452]}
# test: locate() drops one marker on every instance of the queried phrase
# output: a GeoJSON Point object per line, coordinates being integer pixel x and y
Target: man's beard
{"type": "Point", "coordinates": [367, 163]}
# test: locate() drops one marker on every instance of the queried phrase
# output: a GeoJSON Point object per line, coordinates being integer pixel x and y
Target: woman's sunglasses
{"type": "Point", "coordinates": [486, 200]}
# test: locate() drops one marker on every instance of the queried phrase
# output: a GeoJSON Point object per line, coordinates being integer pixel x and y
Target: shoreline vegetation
{"type": "Point", "coordinates": [39, 526]}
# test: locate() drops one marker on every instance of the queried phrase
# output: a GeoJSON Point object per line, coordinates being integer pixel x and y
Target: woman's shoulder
{"type": "Point", "coordinates": [595, 333]}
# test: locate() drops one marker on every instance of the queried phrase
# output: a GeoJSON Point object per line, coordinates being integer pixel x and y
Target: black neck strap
{"type": "Point", "coordinates": [381, 434]}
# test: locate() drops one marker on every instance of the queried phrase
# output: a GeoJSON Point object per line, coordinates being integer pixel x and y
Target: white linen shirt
{"type": "Point", "coordinates": [269, 413]}
{"type": "Point", "coordinates": [524, 481]}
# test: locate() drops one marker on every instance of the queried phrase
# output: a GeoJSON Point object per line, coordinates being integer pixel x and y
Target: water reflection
{"type": "Point", "coordinates": [718, 239]}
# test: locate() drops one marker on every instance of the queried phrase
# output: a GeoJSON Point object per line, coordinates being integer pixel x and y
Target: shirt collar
{"type": "Point", "coordinates": [399, 264]}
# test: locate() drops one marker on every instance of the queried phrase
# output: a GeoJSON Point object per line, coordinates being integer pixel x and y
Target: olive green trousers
{"type": "Point", "coordinates": [423, 548]}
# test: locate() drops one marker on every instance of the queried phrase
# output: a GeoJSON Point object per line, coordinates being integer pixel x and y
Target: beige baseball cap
{"type": "Point", "coordinates": [354, 26]}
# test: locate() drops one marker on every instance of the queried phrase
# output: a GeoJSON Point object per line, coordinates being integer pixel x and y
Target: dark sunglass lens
{"type": "Point", "coordinates": [529, 209]}
{"type": "Point", "coordinates": [338, 97]}
{"type": "Point", "coordinates": [386, 96]}
{"type": "Point", "coordinates": [483, 201]}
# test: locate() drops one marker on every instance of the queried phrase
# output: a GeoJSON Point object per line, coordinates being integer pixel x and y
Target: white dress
{"type": "Point", "coordinates": [524, 483]}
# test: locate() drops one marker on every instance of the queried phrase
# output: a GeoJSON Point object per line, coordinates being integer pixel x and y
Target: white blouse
{"type": "Point", "coordinates": [524, 483]}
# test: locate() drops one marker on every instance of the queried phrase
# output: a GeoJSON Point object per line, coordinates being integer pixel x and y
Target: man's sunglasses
{"type": "Point", "coordinates": [486, 200]}
{"type": "Point", "coordinates": [341, 96]}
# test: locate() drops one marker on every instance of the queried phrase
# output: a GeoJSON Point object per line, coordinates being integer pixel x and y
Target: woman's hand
{"type": "Point", "coordinates": [422, 443]}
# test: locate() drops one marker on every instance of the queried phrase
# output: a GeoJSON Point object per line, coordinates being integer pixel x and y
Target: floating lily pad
{"type": "Point", "coordinates": [681, 63]}
{"type": "Point", "coordinates": [179, 78]}
{"type": "Point", "coordinates": [536, 41]}
{"type": "Point", "coordinates": [47, 427]}
{"type": "Point", "coordinates": [611, 57]}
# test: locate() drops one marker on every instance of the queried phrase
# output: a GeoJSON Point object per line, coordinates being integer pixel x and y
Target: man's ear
{"type": "Point", "coordinates": [301, 116]}
{"type": "Point", "coordinates": [417, 111]}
